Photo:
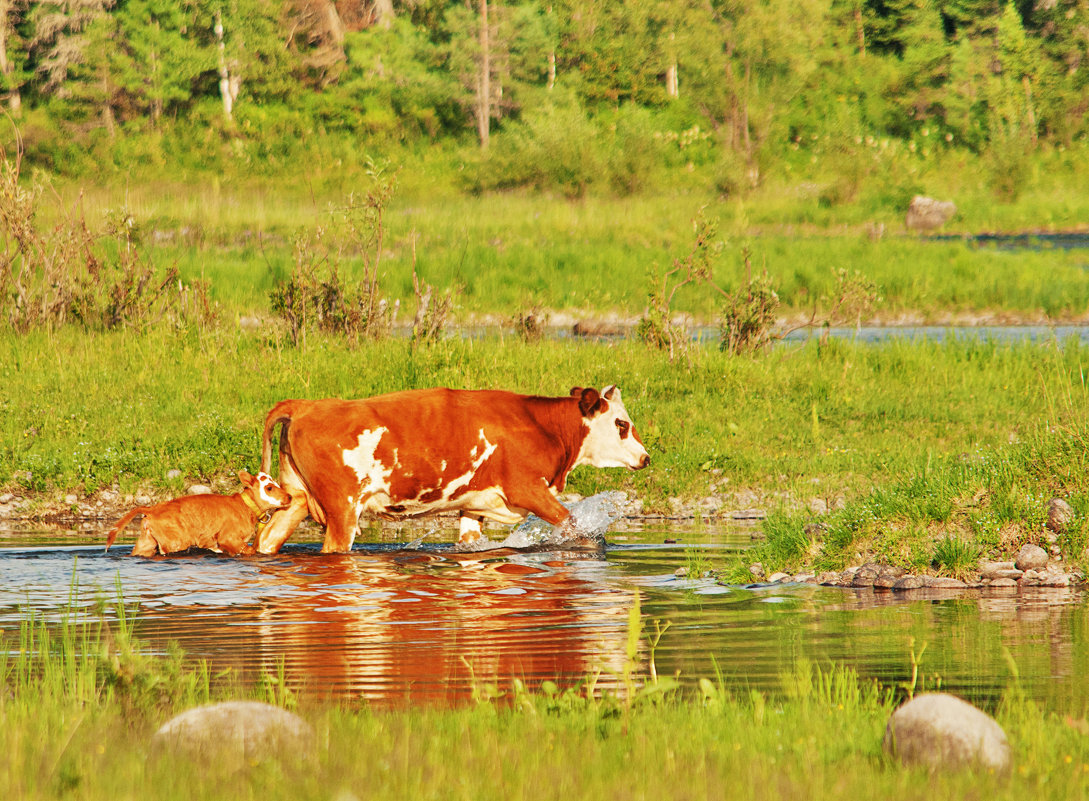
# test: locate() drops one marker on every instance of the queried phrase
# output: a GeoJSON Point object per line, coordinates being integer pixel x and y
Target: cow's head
{"type": "Point", "coordinates": [611, 440]}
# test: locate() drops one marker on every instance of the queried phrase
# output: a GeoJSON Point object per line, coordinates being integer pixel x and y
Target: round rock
{"type": "Point", "coordinates": [1031, 557]}
{"type": "Point", "coordinates": [1059, 515]}
{"type": "Point", "coordinates": [939, 730]}
{"type": "Point", "coordinates": [235, 735]}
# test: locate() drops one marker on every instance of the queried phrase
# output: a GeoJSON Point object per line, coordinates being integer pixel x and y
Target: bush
{"type": "Point", "coordinates": [49, 278]}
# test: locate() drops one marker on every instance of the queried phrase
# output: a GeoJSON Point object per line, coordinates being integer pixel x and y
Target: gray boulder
{"type": "Point", "coordinates": [926, 213]}
{"type": "Point", "coordinates": [235, 735]}
{"type": "Point", "coordinates": [1059, 515]}
{"type": "Point", "coordinates": [909, 583]}
{"type": "Point", "coordinates": [939, 730]}
{"type": "Point", "coordinates": [1031, 557]}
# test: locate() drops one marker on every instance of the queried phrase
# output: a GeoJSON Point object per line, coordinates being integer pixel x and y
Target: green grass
{"type": "Point", "coordinates": [506, 253]}
{"type": "Point", "coordinates": [81, 699]}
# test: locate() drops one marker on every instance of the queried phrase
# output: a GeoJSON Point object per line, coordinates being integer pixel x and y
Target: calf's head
{"type": "Point", "coordinates": [611, 440]}
{"type": "Point", "coordinates": [264, 490]}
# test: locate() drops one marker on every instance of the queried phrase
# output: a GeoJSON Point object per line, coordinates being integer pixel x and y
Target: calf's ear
{"type": "Point", "coordinates": [590, 403]}
{"type": "Point", "coordinates": [246, 478]}
{"type": "Point", "coordinates": [576, 391]}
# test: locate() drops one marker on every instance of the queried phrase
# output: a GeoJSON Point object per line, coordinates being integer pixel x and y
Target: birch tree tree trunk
{"type": "Point", "coordinates": [384, 14]}
{"type": "Point", "coordinates": [673, 84]}
{"type": "Point", "coordinates": [484, 81]}
{"type": "Point", "coordinates": [7, 67]}
{"type": "Point", "coordinates": [228, 88]}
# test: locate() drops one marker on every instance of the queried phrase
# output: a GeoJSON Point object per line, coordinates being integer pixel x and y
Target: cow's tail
{"type": "Point", "coordinates": [124, 521]}
{"type": "Point", "coordinates": [280, 413]}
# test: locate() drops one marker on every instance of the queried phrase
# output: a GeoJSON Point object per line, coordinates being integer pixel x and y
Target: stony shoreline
{"type": "Point", "coordinates": [1031, 567]}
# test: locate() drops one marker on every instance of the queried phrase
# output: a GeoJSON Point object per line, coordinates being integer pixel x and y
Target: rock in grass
{"type": "Point", "coordinates": [235, 735]}
{"type": "Point", "coordinates": [1059, 515]}
{"type": "Point", "coordinates": [1031, 557]}
{"type": "Point", "coordinates": [939, 730]}
{"type": "Point", "coordinates": [926, 213]}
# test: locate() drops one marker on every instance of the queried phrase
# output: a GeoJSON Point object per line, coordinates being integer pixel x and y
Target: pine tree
{"type": "Point", "coordinates": [157, 61]}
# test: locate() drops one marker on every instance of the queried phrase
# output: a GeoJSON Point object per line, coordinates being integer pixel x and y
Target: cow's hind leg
{"type": "Point", "coordinates": [285, 520]}
{"type": "Point", "coordinates": [341, 528]}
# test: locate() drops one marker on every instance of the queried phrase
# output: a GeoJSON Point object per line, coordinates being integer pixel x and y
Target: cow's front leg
{"type": "Point", "coordinates": [469, 533]}
{"type": "Point", "coordinates": [536, 497]}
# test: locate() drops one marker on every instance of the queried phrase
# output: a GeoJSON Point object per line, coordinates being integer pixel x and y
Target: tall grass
{"type": "Point", "coordinates": [507, 253]}
{"type": "Point", "coordinates": [67, 732]}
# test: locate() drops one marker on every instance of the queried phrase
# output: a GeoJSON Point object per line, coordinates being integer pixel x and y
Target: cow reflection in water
{"type": "Point", "coordinates": [417, 625]}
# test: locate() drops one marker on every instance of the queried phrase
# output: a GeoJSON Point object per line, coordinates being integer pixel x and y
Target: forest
{"type": "Point", "coordinates": [556, 95]}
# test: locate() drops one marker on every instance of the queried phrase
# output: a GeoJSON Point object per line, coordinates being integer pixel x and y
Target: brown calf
{"type": "Point", "coordinates": [221, 523]}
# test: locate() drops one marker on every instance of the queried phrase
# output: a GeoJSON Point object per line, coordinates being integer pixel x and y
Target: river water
{"type": "Point", "coordinates": [399, 625]}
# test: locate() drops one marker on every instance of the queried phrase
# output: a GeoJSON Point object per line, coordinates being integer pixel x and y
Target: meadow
{"type": "Point", "coordinates": [908, 444]}
{"type": "Point", "coordinates": [502, 254]}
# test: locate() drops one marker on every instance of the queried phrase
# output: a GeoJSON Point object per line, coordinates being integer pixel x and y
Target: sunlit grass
{"type": "Point", "coordinates": [80, 700]}
{"type": "Point", "coordinates": [505, 253]}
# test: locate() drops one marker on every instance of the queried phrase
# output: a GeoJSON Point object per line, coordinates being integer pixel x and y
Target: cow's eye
{"type": "Point", "coordinates": [623, 426]}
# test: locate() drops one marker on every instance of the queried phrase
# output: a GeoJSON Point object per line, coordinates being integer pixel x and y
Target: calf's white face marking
{"type": "Point", "coordinates": [264, 482]}
{"type": "Point", "coordinates": [610, 441]}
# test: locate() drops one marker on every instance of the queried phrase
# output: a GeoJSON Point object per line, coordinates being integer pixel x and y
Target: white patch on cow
{"type": "Point", "coordinates": [479, 455]}
{"type": "Point", "coordinates": [372, 474]}
{"type": "Point", "coordinates": [469, 529]}
{"type": "Point", "coordinates": [603, 445]}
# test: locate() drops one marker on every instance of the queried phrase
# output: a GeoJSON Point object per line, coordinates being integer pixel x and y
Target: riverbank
{"type": "Point", "coordinates": [922, 455]}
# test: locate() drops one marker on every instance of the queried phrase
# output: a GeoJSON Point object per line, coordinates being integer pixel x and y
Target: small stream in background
{"type": "Point", "coordinates": [396, 625]}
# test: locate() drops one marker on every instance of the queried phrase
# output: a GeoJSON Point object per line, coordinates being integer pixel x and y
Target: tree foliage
{"type": "Point", "coordinates": [756, 77]}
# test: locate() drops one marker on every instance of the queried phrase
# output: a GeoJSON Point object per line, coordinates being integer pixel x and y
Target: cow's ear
{"type": "Point", "coordinates": [576, 391]}
{"type": "Point", "coordinates": [246, 478]}
{"type": "Point", "coordinates": [611, 392]}
{"type": "Point", "coordinates": [590, 403]}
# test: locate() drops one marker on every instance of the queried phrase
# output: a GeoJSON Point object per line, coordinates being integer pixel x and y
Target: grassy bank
{"type": "Point", "coordinates": [906, 444]}
{"type": "Point", "coordinates": [81, 701]}
{"type": "Point", "coordinates": [599, 256]}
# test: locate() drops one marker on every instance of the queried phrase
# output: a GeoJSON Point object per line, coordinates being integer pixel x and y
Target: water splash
{"type": "Point", "coordinates": [590, 519]}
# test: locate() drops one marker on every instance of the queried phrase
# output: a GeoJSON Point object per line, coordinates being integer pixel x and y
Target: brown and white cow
{"type": "Point", "coordinates": [488, 454]}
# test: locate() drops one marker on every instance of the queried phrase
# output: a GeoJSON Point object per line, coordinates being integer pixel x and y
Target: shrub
{"type": "Point", "coordinates": [49, 278]}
